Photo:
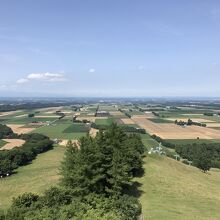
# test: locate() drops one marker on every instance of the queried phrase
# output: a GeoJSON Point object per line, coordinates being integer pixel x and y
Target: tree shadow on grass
{"type": "Point", "coordinates": [134, 188]}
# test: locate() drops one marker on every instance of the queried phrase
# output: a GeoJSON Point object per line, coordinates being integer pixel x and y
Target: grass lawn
{"type": "Point", "coordinates": [57, 131]}
{"type": "Point", "coordinates": [171, 190]}
{"type": "Point", "coordinates": [2, 143]}
{"type": "Point", "coordinates": [36, 177]}
{"type": "Point", "coordinates": [192, 141]}
{"type": "Point", "coordinates": [107, 121]}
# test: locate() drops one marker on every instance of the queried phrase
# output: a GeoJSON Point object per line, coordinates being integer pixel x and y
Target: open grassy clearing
{"type": "Point", "coordinates": [36, 177]}
{"type": "Point", "coordinates": [170, 190]}
{"type": "Point", "coordinates": [2, 143]}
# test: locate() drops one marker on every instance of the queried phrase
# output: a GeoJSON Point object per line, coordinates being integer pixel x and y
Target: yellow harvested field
{"type": "Point", "coordinates": [47, 116]}
{"type": "Point", "coordinates": [2, 114]}
{"type": "Point", "coordinates": [201, 120]}
{"type": "Point", "coordinates": [127, 121]}
{"type": "Point", "coordinates": [19, 129]}
{"type": "Point", "coordinates": [93, 132]}
{"type": "Point", "coordinates": [116, 113]}
{"type": "Point", "coordinates": [11, 143]}
{"type": "Point", "coordinates": [138, 116]}
{"type": "Point", "coordinates": [172, 131]}
{"type": "Point", "coordinates": [213, 125]}
{"type": "Point", "coordinates": [21, 116]}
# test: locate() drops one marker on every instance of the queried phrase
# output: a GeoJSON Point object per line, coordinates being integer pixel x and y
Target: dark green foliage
{"type": "Point", "coordinates": [203, 156]}
{"type": "Point", "coordinates": [31, 115]}
{"type": "Point", "coordinates": [5, 131]}
{"type": "Point", "coordinates": [87, 207]}
{"type": "Point", "coordinates": [163, 142]}
{"type": "Point", "coordinates": [25, 200]}
{"type": "Point", "coordinates": [189, 123]}
{"type": "Point", "coordinates": [208, 114]}
{"type": "Point", "coordinates": [127, 114]}
{"type": "Point", "coordinates": [104, 164]}
{"type": "Point", "coordinates": [95, 176]}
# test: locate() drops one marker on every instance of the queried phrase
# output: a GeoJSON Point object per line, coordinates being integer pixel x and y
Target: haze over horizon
{"type": "Point", "coordinates": [116, 48]}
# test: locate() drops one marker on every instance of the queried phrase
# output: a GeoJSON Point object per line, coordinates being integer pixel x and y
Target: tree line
{"type": "Point", "coordinates": [19, 156]}
{"type": "Point", "coordinates": [189, 123]}
{"type": "Point", "coordinates": [96, 177]}
{"type": "Point", "coordinates": [204, 156]}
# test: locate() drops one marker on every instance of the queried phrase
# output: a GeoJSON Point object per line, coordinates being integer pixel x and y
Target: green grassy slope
{"type": "Point", "coordinates": [36, 177]}
{"type": "Point", "coordinates": [2, 143]}
{"type": "Point", "coordinates": [171, 190]}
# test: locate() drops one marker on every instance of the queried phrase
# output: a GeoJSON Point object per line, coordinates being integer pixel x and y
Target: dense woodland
{"type": "Point", "coordinates": [204, 156]}
{"type": "Point", "coordinates": [96, 176]}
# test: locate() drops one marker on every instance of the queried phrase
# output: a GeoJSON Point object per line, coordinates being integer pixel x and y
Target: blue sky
{"type": "Point", "coordinates": [110, 48]}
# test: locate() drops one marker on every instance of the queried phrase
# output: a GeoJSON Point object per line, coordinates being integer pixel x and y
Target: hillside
{"type": "Point", "coordinates": [36, 177]}
{"type": "Point", "coordinates": [172, 190]}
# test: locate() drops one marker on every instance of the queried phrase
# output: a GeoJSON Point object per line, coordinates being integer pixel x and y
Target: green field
{"type": "Point", "coordinates": [2, 143]}
{"type": "Point", "coordinates": [160, 120]}
{"type": "Point", "coordinates": [148, 141]}
{"type": "Point", "coordinates": [170, 190]}
{"type": "Point", "coordinates": [36, 177]}
{"type": "Point", "coordinates": [76, 127]}
{"type": "Point", "coordinates": [57, 131]}
{"type": "Point", "coordinates": [107, 121]}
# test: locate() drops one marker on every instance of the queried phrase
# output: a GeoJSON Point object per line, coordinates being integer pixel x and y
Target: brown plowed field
{"type": "Point", "coordinates": [172, 131]}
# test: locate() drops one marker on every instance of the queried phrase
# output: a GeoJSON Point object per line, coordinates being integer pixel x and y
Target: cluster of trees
{"type": "Point", "coordinates": [203, 156]}
{"type": "Point", "coordinates": [209, 114]}
{"type": "Point", "coordinates": [189, 123]}
{"type": "Point", "coordinates": [163, 142]}
{"type": "Point", "coordinates": [127, 114]}
{"type": "Point", "coordinates": [12, 159]}
{"type": "Point", "coordinates": [155, 114]}
{"type": "Point", "coordinates": [61, 114]}
{"type": "Point", "coordinates": [95, 178]}
{"type": "Point", "coordinates": [128, 128]}
{"type": "Point", "coordinates": [31, 115]}
{"type": "Point", "coordinates": [5, 131]}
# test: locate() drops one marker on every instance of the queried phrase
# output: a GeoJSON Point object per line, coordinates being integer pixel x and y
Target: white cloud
{"type": "Point", "coordinates": [22, 80]}
{"type": "Point", "coordinates": [48, 77]}
{"type": "Point", "coordinates": [45, 76]}
{"type": "Point", "coordinates": [92, 70]}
